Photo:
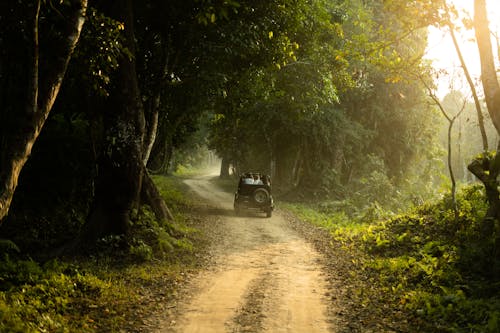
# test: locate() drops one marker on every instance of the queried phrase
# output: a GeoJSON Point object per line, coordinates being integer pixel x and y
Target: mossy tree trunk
{"type": "Point", "coordinates": [151, 196]}
{"type": "Point", "coordinates": [487, 170]}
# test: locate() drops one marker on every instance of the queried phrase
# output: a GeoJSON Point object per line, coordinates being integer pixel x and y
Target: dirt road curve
{"type": "Point", "coordinates": [266, 277]}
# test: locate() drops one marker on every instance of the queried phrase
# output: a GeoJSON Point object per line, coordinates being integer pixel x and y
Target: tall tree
{"type": "Point", "coordinates": [42, 87]}
{"type": "Point", "coordinates": [120, 164]}
{"type": "Point", "coordinates": [489, 77]}
{"type": "Point", "coordinates": [487, 167]}
{"type": "Point", "coordinates": [323, 115]}
{"type": "Point", "coordinates": [451, 118]}
{"type": "Point", "coordinates": [130, 124]}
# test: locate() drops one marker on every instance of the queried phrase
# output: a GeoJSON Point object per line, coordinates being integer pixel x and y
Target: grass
{"type": "Point", "coordinates": [421, 267]}
{"type": "Point", "coordinates": [111, 291]}
{"type": "Point", "coordinates": [88, 296]}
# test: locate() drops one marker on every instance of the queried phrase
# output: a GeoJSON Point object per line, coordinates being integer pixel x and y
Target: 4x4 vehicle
{"type": "Point", "coordinates": [254, 192]}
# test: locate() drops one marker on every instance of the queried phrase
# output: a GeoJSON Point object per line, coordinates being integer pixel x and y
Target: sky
{"type": "Point", "coordinates": [441, 51]}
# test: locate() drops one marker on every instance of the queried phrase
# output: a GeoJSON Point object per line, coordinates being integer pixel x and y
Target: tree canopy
{"type": "Point", "coordinates": [326, 96]}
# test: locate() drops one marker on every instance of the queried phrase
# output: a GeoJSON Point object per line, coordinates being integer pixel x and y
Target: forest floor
{"type": "Point", "coordinates": [262, 274]}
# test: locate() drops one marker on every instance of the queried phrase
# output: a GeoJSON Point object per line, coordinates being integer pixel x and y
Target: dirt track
{"type": "Point", "coordinates": [266, 278]}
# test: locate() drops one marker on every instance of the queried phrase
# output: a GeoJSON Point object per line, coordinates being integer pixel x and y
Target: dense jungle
{"type": "Point", "coordinates": [125, 126]}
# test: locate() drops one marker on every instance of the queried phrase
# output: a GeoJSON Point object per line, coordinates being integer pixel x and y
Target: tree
{"type": "Point", "coordinates": [123, 183]}
{"type": "Point", "coordinates": [451, 118]}
{"type": "Point", "coordinates": [339, 101]}
{"type": "Point", "coordinates": [42, 83]}
{"type": "Point", "coordinates": [477, 104]}
{"type": "Point", "coordinates": [487, 167]}
{"type": "Point", "coordinates": [120, 164]}
{"type": "Point", "coordinates": [278, 87]}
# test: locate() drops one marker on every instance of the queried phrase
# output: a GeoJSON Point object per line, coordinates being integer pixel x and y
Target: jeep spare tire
{"type": "Point", "coordinates": [261, 195]}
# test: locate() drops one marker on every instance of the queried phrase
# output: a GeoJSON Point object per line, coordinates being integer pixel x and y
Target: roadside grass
{"type": "Point", "coordinates": [422, 268]}
{"type": "Point", "coordinates": [185, 172]}
{"type": "Point", "coordinates": [337, 223]}
{"type": "Point", "coordinates": [113, 290]}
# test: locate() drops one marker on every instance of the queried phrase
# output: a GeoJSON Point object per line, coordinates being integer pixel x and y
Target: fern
{"type": "Point", "coordinates": [8, 246]}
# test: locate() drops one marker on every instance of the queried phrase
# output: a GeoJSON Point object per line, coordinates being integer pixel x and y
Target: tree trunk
{"type": "Point", "coordinates": [224, 168]}
{"type": "Point", "coordinates": [151, 196]}
{"type": "Point", "coordinates": [451, 121]}
{"type": "Point", "coordinates": [152, 130]}
{"type": "Point", "coordinates": [120, 165]}
{"type": "Point", "coordinates": [169, 151]}
{"type": "Point", "coordinates": [149, 192]}
{"type": "Point", "coordinates": [452, 174]}
{"type": "Point", "coordinates": [488, 72]}
{"type": "Point", "coordinates": [487, 169]}
{"type": "Point", "coordinates": [477, 104]}
{"type": "Point", "coordinates": [154, 110]}
{"type": "Point", "coordinates": [297, 168]}
{"type": "Point", "coordinates": [42, 95]}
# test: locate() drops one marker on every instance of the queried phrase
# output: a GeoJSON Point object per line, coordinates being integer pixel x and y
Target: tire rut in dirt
{"type": "Point", "coordinates": [249, 317]}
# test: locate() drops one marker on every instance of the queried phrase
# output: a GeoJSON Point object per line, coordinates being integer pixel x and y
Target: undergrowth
{"type": "Point", "coordinates": [103, 292]}
{"type": "Point", "coordinates": [437, 271]}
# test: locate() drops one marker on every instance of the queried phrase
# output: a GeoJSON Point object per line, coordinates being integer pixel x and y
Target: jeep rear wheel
{"type": "Point", "coordinates": [260, 195]}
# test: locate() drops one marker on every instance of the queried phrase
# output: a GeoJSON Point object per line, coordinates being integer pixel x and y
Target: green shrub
{"type": "Point", "coordinates": [437, 269]}
{"type": "Point", "coordinates": [447, 274]}
{"type": "Point", "coordinates": [141, 251]}
{"type": "Point", "coordinates": [18, 272]}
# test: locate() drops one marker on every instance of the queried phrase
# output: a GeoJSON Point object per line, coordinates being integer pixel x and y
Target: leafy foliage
{"type": "Point", "coordinates": [99, 292]}
{"type": "Point", "coordinates": [342, 114]}
{"type": "Point", "coordinates": [435, 270]}
{"type": "Point", "coordinates": [97, 54]}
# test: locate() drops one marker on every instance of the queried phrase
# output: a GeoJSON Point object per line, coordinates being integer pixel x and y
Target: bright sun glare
{"type": "Point", "coordinates": [442, 52]}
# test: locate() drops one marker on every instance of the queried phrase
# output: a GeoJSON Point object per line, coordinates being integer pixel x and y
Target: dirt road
{"type": "Point", "coordinates": [266, 278]}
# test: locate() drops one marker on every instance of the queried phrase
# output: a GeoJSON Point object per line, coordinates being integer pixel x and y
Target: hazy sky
{"type": "Point", "coordinates": [442, 51]}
